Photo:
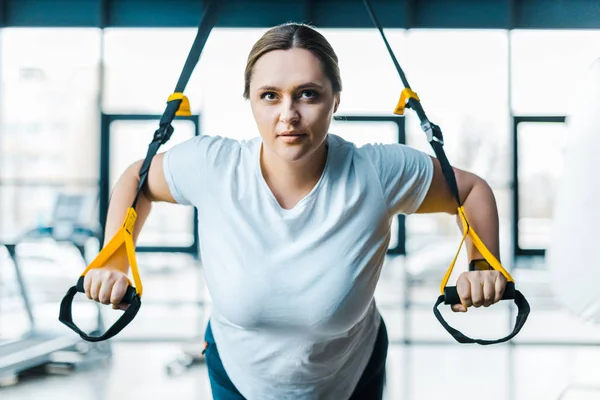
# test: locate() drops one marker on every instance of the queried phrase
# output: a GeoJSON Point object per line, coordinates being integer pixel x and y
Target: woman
{"type": "Point", "coordinates": [294, 227]}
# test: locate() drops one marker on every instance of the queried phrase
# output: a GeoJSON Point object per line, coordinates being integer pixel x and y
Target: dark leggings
{"type": "Point", "coordinates": [369, 387]}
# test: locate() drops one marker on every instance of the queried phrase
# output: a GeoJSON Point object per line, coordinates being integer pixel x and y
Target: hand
{"type": "Point", "coordinates": [107, 286]}
{"type": "Point", "coordinates": [479, 288]}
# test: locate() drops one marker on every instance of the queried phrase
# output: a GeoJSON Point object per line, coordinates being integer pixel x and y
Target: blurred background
{"type": "Point", "coordinates": [83, 83]}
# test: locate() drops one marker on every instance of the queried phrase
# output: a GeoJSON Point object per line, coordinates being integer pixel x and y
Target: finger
{"type": "Point", "coordinates": [118, 291]}
{"type": "Point", "coordinates": [95, 288]}
{"type": "Point", "coordinates": [458, 308]}
{"type": "Point", "coordinates": [500, 286]}
{"type": "Point", "coordinates": [476, 289]}
{"type": "Point", "coordinates": [489, 290]}
{"type": "Point", "coordinates": [463, 288]}
{"type": "Point", "coordinates": [106, 288]}
{"type": "Point", "coordinates": [87, 285]}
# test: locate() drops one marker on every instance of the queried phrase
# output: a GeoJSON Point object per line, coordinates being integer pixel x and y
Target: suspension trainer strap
{"type": "Point", "coordinates": [177, 105]}
{"type": "Point", "coordinates": [449, 295]}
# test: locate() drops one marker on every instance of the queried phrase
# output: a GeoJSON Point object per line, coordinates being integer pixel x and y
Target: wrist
{"type": "Point", "coordinates": [479, 264]}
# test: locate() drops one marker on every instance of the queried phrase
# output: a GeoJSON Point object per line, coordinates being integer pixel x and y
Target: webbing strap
{"type": "Point", "coordinates": [522, 314]}
{"type": "Point", "coordinates": [409, 99]}
{"type": "Point", "coordinates": [165, 130]}
{"type": "Point", "coordinates": [124, 236]}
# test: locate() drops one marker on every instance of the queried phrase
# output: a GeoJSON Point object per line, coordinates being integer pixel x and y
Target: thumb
{"type": "Point", "coordinates": [458, 308]}
{"type": "Point", "coordinates": [118, 292]}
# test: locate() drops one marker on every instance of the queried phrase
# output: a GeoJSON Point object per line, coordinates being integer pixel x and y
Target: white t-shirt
{"type": "Point", "coordinates": [292, 290]}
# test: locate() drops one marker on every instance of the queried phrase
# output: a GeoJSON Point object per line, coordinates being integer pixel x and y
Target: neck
{"type": "Point", "coordinates": [291, 181]}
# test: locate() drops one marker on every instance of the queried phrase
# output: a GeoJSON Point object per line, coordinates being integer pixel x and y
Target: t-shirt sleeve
{"type": "Point", "coordinates": [186, 165]}
{"type": "Point", "coordinates": [405, 175]}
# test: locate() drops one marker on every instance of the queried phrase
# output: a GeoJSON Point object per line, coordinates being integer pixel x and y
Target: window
{"type": "Point", "coordinates": [540, 145]}
{"type": "Point", "coordinates": [461, 78]}
{"type": "Point", "coordinates": [50, 126]}
{"type": "Point", "coordinates": [544, 66]}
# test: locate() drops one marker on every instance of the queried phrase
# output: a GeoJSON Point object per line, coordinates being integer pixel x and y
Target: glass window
{"type": "Point", "coordinates": [50, 125]}
{"type": "Point", "coordinates": [543, 66]}
{"type": "Point", "coordinates": [461, 78]}
{"type": "Point", "coordinates": [370, 83]}
{"type": "Point", "coordinates": [167, 224]}
{"type": "Point", "coordinates": [143, 66]}
{"type": "Point", "coordinates": [540, 156]}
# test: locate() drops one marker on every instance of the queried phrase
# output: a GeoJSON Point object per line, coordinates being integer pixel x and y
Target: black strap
{"type": "Point", "coordinates": [165, 129]}
{"type": "Point", "coordinates": [523, 313]}
{"type": "Point", "coordinates": [161, 136]}
{"type": "Point", "coordinates": [434, 133]}
{"type": "Point", "coordinates": [437, 145]}
{"type": "Point", "coordinates": [66, 315]}
{"type": "Point", "coordinates": [436, 140]}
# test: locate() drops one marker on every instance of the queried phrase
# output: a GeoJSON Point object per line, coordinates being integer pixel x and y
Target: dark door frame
{"type": "Point", "coordinates": [104, 184]}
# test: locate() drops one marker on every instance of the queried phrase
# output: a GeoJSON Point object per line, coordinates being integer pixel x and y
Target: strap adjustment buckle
{"type": "Point", "coordinates": [433, 132]}
{"type": "Point", "coordinates": [163, 133]}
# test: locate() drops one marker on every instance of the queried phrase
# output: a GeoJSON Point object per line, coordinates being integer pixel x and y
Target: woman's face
{"type": "Point", "coordinates": [292, 101]}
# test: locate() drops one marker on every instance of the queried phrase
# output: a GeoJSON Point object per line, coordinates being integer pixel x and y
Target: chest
{"type": "Point", "coordinates": [313, 267]}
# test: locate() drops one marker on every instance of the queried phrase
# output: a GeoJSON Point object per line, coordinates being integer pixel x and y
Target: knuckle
{"type": "Point", "coordinates": [463, 292]}
{"type": "Point", "coordinates": [106, 275]}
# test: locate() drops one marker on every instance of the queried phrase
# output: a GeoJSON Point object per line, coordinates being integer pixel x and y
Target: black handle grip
{"type": "Point", "coordinates": [522, 314]}
{"type": "Point", "coordinates": [451, 294]}
{"type": "Point", "coordinates": [66, 316]}
{"type": "Point", "coordinates": [130, 294]}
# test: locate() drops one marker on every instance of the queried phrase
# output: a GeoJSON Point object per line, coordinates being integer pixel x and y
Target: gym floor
{"type": "Point", "coordinates": [430, 365]}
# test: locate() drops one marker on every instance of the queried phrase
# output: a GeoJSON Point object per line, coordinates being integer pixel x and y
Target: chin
{"type": "Point", "coordinates": [293, 153]}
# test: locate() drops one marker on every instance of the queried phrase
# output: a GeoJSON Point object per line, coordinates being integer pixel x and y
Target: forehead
{"type": "Point", "coordinates": [283, 68]}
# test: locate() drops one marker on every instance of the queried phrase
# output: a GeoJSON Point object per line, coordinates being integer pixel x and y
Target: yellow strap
{"type": "Point", "coordinates": [449, 271]}
{"type": "Point", "coordinates": [404, 96]}
{"type": "Point", "coordinates": [123, 236]}
{"type": "Point", "coordinates": [184, 109]}
{"type": "Point", "coordinates": [489, 257]}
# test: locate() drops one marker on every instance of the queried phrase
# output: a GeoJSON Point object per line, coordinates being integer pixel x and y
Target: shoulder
{"type": "Point", "coordinates": [214, 147]}
{"type": "Point", "coordinates": [393, 153]}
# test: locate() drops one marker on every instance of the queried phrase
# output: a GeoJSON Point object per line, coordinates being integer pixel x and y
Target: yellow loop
{"type": "Point", "coordinates": [123, 236]}
{"type": "Point", "coordinates": [404, 97]}
{"type": "Point", "coordinates": [184, 109]}
{"type": "Point", "coordinates": [487, 255]}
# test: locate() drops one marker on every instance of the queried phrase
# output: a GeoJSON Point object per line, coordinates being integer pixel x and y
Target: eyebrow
{"type": "Point", "coordinates": [303, 86]}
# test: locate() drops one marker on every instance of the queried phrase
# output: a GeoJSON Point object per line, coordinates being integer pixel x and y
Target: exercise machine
{"type": "Point", "coordinates": [37, 348]}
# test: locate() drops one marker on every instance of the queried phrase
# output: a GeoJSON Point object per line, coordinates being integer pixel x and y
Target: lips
{"type": "Point", "coordinates": [291, 133]}
{"type": "Point", "coordinates": [291, 137]}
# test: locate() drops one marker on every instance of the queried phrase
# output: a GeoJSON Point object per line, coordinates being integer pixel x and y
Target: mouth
{"type": "Point", "coordinates": [291, 137]}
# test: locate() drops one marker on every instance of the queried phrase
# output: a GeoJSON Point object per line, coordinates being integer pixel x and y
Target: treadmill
{"type": "Point", "coordinates": [48, 350]}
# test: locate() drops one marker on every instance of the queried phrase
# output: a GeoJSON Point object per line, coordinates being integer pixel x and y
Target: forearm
{"type": "Point", "coordinates": [121, 199]}
{"type": "Point", "coordinates": [482, 213]}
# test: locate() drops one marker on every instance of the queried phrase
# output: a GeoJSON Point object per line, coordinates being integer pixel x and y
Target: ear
{"type": "Point", "coordinates": [336, 102]}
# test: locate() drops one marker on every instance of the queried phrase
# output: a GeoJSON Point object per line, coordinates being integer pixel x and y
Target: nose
{"type": "Point", "coordinates": [288, 114]}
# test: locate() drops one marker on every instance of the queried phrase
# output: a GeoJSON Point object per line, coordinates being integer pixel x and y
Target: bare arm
{"type": "Point", "coordinates": [121, 199]}
{"type": "Point", "coordinates": [99, 283]}
{"type": "Point", "coordinates": [475, 288]}
{"type": "Point", "coordinates": [479, 202]}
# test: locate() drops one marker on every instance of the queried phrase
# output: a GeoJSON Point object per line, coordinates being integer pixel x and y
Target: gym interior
{"type": "Point", "coordinates": [511, 83]}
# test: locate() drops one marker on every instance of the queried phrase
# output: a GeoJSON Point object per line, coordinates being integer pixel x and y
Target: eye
{"type": "Point", "coordinates": [309, 94]}
{"type": "Point", "coordinates": [269, 96]}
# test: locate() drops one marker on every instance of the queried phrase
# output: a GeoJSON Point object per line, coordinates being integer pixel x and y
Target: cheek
{"type": "Point", "coordinates": [320, 118]}
{"type": "Point", "coordinates": [263, 117]}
